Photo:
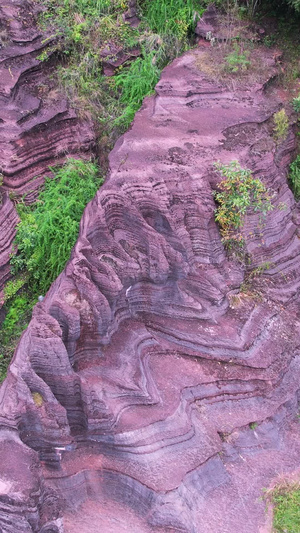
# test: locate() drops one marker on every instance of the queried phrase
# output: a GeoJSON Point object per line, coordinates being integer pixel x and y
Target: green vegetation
{"type": "Point", "coordinates": [286, 510]}
{"type": "Point", "coordinates": [48, 229]}
{"type": "Point", "coordinates": [16, 320]}
{"type": "Point", "coordinates": [45, 236]}
{"type": "Point", "coordinates": [238, 60]}
{"type": "Point", "coordinates": [281, 125]}
{"type": "Point", "coordinates": [237, 194]}
{"type": "Point", "coordinates": [295, 177]}
{"type": "Point", "coordinates": [86, 29]}
{"type": "Point", "coordinates": [296, 104]}
{"type": "Point", "coordinates": [171, 17]}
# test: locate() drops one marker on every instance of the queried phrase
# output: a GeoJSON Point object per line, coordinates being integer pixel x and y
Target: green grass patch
{"type": "Point", "coordinates": [48, 229]}
{"type": "Point", "coordinates": [286, 510]}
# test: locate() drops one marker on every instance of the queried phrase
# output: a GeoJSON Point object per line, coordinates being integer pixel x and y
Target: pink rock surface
{"type": "Point", "coordinates": [167, 404]}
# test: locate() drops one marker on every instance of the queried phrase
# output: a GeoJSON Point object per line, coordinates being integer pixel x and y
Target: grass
{"type": "Point", "coordinates": [16, 320]}
{"type": "Point", "coordinates": [286, 509]}
{"type": "Point", "coordinates": [281, 125]}
{"type": "Point", "coordinates": [48, 230]}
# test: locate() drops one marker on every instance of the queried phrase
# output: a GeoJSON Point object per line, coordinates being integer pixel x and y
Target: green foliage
{"type": "Point", "coordinates": [281, 125]}
{"type": "Point", "coordinates": [136, 82]}
{"type": "Point", "coordinates": [48, 229]}
{"type": "Point", "coordinates": [286, 510]}
{"type": "Point", "coordinates": [172, 17]}
{"type": "Point", "coordinates": [295, 4]}
{"type": "Point", "coordinates": [295, 177]}
{"type": "Point", "coordinates": [17, 317]}
{"type": "Point", "coordinates": [258, 271]}
{"type": "Point", "coordinates": [237, 194]}
{"type": "Point", "coordinates": [238, 60]}
{"type": "Point", "coordinates": [13, 286]}
{"type": "Point", "coordinates": [296, 103]}
{"type": "Point", "coordinates": [86, 28]}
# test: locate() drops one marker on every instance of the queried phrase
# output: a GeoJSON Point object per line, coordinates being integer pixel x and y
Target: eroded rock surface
{"type": "Point", "coordinates": [38, 128]}
{"type": "Point", "coordinates": [146, 394]}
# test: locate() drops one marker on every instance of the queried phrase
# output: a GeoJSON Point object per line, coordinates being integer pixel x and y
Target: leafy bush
{"type": "Point", "coordinates": [48, 229]}
{"type": "Point", "coordinates": [13, 286]}
{"type": "Point", "coordinates": [281, 125]}
{"type": "Point", "coordinates": [295, 4]}
{"type": "Point", "coordinates": [237, 194]}
{"type": "Point", "coordinates": [295, 177]}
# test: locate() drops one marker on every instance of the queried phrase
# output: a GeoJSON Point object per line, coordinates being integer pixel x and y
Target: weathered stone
{"type": "Point", "coordinates": [157, 396]}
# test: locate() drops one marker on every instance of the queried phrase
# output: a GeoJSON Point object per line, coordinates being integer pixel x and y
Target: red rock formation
{"type": "Point", "coordinates": [165, 402]}
{"type": "Point", "coordinates": [37, 127]}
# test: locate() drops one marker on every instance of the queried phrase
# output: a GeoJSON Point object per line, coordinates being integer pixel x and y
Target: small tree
{"type": "Point", "coordinates": [237, 194]}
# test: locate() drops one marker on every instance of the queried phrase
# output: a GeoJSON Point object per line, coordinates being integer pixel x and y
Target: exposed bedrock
{"type": "Point", "coordinates": [37, 126]}
{"type": "Point", "coordinates": [148, 395]}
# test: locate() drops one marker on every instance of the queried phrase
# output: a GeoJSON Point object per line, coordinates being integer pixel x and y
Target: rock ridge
{"type": "Point", "coordinates": [148, 393]}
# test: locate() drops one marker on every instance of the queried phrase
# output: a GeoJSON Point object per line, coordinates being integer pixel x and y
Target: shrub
{"type": "Point", "coordinates": [237, 194]}
{"type": "Point", "coordinates": [281, 125]}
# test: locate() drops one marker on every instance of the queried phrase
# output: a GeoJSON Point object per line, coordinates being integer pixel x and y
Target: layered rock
{"type": "Point", "coordinates": [38, 128]}
{"type": "Point", "coordinates": [156, 396]}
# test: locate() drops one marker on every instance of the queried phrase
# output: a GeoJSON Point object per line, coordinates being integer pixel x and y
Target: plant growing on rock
{"type": "Point", "coordinates": [238, 60]}
{"type": "Point", "coordinates": [295, 177]}
{"type": "Point", "coordinates": [296, 103]}
{"type": "Point", "coordinates": [48, 230]}
{"type": "Point", "coordinates": [281, 125]}
{"type": "Point", "coordinates": [238, 193]}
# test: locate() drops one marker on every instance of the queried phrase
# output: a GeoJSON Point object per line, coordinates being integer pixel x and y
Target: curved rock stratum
{"type": "Point", "coordinates": [149, 393]}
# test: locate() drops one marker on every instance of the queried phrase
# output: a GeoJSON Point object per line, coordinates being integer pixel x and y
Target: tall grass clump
{"type": "Point", "coordinates": [135, 82]}
{"type": "Point", "coordinates": [172, 17]}
{"type": "Point", "coordinates": [48, 229]}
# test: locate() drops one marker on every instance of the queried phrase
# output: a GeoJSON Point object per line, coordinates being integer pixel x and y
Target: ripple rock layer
{"type": "Point", "coordinates": [147, 394]}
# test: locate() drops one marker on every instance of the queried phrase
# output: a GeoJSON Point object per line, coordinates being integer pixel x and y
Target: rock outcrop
{"type": "Point", "coordinates": [38, 128]}
{"type": "Point", "coordinates": [148, 394]}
